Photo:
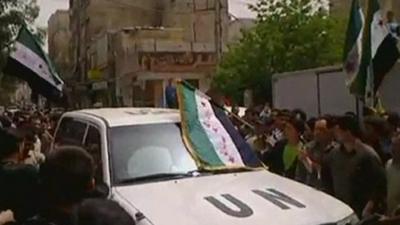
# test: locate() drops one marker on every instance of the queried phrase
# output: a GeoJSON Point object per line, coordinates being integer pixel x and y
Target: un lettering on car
{"type": "Point", "coordinates": [243, 210]}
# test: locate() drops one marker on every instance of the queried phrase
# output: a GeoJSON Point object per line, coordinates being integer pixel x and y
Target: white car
{"type": "Point", "coordinates": [140, 156]}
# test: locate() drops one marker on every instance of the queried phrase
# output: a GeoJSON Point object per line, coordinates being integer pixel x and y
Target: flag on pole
{"type": "Point", "coordinates": [353, 45]}
{"type": "Point", "coordinates": [29, 62]}
{"type": "Point", "coordinates": [379, 53]}
{"type": "Point", "coordinates": [210, 136]}
{"type": "Point", "coordinates": [383, 46]}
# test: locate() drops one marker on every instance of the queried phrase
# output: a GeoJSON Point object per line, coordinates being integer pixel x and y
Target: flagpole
{"type": "Point", "coordinates": [244, 122]}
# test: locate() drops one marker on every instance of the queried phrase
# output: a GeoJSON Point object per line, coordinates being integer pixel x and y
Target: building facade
{"type": "Point", "coordinates": [99, 29]}
{"type": "Point", "coordinates": [138, 64]}
{"type": "Point", "coordinates": [124, 51]}
{"type": "Point", "coordinates": [59, 37]}
{"type": "Point", "coordinates": [90, 19]}
{"type": "Point", "coordinates": [154, 58]}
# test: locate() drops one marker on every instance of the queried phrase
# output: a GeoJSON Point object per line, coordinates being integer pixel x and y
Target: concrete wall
{"type": "Point", "coordinates": [89, 19]}
{"type": "Point", "coordinates": [59, 37]}
{"type": "Point", "coordinates": [116, 14]}
{"type": "Point", "coordinates": [198, 18]}
{"type": "Point", "coordinates": [127, 44]}
{"type": "Point", "coordinates": [236, 27]}
{"type": "Point", "coordinates": [147, 58]}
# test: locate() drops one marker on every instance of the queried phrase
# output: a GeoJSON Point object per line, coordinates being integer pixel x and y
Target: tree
{"type": "Point", "coordinates": [289, 35]}
{"type": "Point", "coordinates": [13, 14]}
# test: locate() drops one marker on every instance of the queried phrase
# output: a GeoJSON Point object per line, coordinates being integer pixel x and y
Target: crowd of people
{"type": "Point", "coordinates": [42, 187]}
{"type": "Point", "coordinates": [355, 160]}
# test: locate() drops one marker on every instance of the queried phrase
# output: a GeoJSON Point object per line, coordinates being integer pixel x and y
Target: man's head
{"type": "Point", "coordinates": [299, 114]}
{"type": "Point", "coordinates": [250, 115]}
{"type": "Point", "coordinates": [36, 122]}
{"type": "Point", "coordinates": [101, 212]}
{"type": "Point", "coordinates": [11, 144]}
{"type": "Point", "coordinates": [5, 122]}
{"type": "Point", "coordinates": [171, 82]}
{"type": "Point", "coordinates": [347, 129]}
{"type": "Point", "coordinates": [376, 127]}
{"type": "Point", "coordinates": [294, 129]}
{"type": "Point", "coordinates": [54, 118]}
{"type": "Point", "coordinates": [281, 117]}
{"type": "Point", "coordinates": [29, 140]}
{"type": "Point", "coordinates": [396, 148]}
{"type": "Point", "coordinates": [323, 130]}
{"type": "Point", "coordinates": [67, 175]}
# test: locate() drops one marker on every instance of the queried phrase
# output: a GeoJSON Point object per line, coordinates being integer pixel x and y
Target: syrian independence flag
{"type": "Point", "coordinates": [380, 53]}
{"type": "Point", "coordinates": [383, 46]}
{"type": "Point", "coordinates": [353, 45]}
{"type": "Point", "coordinates": [29, 62]}
{"type": "Point", "coordinates": [209, 134]}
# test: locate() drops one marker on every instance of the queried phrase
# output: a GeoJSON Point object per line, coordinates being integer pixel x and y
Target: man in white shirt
{"type": "Point", "coordinates": [393, 186]}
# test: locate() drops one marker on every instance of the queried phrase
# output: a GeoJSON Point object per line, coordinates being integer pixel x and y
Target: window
{"type": "Point", "coordinates": [143, 150]}
{"type": "Point", "coordinates": [70, 132]}
{"type": "Point", "coordinates": [93, 147]}
{"type": "Point", "coordinates": [204, 58]}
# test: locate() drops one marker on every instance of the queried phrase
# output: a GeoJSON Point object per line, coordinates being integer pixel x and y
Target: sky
{"type": "Point", "coordinates": [239, 8]}
{"type": "Point", "coordinates": [48, 7]}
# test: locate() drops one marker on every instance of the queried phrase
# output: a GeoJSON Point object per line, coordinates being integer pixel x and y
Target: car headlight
{"type": "Point", "coordinates": [350, 220]}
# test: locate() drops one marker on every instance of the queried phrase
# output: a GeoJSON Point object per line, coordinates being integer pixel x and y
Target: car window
{"type": "Point", "coordinates": [144, 150]}
{"type": "Point", "coordinates": [70, 132]}
{"type": "Point", "coordinates": [93, 146]}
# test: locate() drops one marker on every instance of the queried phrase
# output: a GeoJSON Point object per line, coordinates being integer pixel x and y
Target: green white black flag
{"type": "Point", "coordinates": [29, 62]}
{"type": "Point", "coordinates": [353, 45]}
{"type": "Point", "coordinates": [379, 53]}
{"type": "Point", "coordinates": [384, 49]}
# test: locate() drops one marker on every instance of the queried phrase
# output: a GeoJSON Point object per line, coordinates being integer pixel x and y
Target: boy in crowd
{"type": "Point", "coordinates": [67, 178]}
{"type": "Point", "coordinates": [353, 172]}
{"type": "Point", "coordinates": [19, 182]}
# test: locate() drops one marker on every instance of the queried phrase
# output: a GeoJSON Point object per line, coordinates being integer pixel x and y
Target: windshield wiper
{"type": "Point", "coordinates": [160, 177]}
{"type": "Point", "coordinates": [233, 170]}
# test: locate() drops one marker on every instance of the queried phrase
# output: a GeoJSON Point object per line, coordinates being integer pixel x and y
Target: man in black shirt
{"type": "Point", "coordinates": [352, 171]}
{"type": "Point", "coordinates": [18, 182]}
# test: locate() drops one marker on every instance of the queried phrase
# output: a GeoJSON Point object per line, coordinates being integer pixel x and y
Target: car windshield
{"type": "Point", "coordinates": [146, 150]}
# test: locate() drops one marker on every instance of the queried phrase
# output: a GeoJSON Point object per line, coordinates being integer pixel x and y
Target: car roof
{"type": "Point", "coordinates": [115, 117]}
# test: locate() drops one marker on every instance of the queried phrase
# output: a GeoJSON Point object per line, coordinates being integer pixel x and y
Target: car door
{"type": "Point", "coordinates": [92, 144]}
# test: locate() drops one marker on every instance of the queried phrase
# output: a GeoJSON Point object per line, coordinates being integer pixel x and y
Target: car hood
{"type": "Point", "coordinates": [236, 199]}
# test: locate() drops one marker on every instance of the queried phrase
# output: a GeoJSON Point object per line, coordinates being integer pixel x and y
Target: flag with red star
{"type": "Point", "coordinates": [210, 136]}
{"type": "Point", "coordinates": [379, 53]}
